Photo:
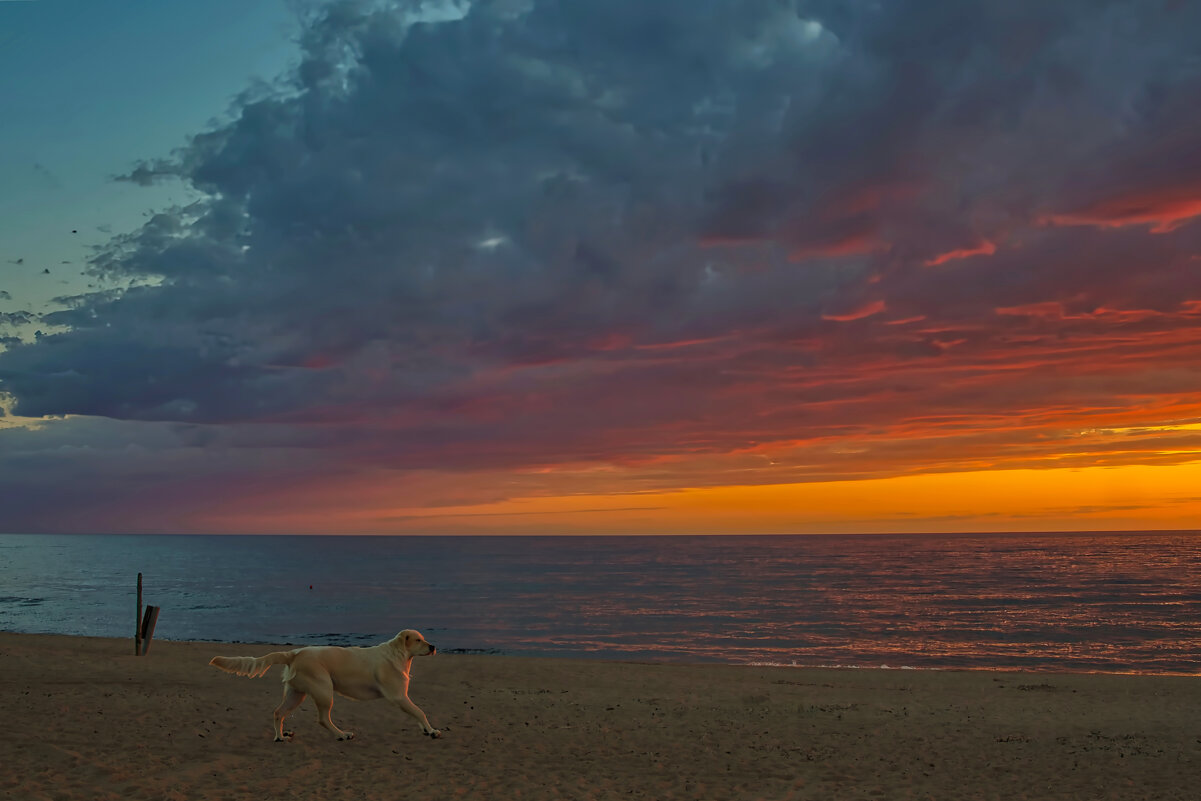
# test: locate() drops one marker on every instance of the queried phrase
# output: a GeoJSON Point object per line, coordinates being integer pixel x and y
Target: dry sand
{"type": "Point", "coordinates": [88, 720]}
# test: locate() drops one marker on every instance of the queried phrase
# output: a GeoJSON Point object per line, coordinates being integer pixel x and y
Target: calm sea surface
{"type": "Point", "coordinates": [1121, 603]}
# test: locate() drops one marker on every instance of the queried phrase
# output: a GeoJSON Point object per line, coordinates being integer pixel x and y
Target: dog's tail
{"type": "Point", "coordinates": [252, 666]}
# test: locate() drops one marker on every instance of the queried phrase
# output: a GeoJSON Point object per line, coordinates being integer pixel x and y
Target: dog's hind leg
{"type": "Point", "coordinates": [292, 699]}
{"type": "Point", "coordinates": [325, 703]}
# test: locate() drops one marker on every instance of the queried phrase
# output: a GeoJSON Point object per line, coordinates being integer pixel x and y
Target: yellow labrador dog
{"type": "Point", "coordinates": [380, 671]}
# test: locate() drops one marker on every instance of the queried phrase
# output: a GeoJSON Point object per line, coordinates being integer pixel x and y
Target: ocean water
{"type": "Point", "coordinates": [1087, 603]}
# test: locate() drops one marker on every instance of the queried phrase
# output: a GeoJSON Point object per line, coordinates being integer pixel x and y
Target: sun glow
{"type": "Point", "coordinates": [1059, 499]}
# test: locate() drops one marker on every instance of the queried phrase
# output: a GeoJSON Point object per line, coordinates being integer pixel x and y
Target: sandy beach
{"type": "Point", "coordinates": [89, 720]}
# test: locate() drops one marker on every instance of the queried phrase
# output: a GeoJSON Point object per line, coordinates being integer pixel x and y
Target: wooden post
{"type": "Point", "coordinates": [147, 631]}
{"type": "Point", "coordinates": [137, 622]}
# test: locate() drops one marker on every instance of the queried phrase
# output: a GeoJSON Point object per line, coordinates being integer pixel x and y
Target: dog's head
{"type": "Point", "coordinates": [414, 644]}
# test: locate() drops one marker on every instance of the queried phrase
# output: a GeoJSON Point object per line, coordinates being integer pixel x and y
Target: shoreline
{"type": "Point", "coordinates": [353, 641]}
{"type": "Point", "coordinates": [93, 721]}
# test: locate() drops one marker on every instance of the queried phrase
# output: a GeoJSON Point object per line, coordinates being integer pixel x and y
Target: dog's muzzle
{"type": "Point", "coordinates": [433, 650]}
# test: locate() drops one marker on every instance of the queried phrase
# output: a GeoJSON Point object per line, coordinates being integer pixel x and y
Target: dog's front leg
{"type": "Point", "coordinates": [408, 706]}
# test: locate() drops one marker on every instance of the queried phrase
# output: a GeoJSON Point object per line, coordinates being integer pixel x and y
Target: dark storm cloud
{"type": "Point", "coordinates": [511, 187]}
{"type": "Point", "coordinates": [619, 229]}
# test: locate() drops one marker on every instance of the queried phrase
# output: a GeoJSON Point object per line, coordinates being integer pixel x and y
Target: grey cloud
{"type": "Point", "coordinates": [82, 473]}
{"type": "Point", "coordinates": [149, 173]}
{"type": "Point", "coordinates": [351, 211]}
{"type": "Point", "coordinates": [17, 318]}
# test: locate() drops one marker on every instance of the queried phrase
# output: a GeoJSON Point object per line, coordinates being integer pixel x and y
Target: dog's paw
{"type": "Point", "coordinates": [346, 735]}
{"type": "Point", "coordinates": [286, 738]}
{"type": "Point", "coordinates": [433, 734]}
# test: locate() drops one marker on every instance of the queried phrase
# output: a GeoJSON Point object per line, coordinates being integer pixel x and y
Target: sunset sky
{"type": "Point", "coordinates": [600, 266]}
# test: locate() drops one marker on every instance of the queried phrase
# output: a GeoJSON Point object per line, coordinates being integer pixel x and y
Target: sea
{"type": "Point", "coordinates": [1110, 603]}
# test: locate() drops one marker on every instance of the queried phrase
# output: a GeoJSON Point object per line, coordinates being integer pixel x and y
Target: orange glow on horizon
{"type": "Point", "coordinates": [1132, 497]}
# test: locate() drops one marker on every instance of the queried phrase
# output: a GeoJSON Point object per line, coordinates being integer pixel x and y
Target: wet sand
{"type": "Point", "coordinates": [89, 720]}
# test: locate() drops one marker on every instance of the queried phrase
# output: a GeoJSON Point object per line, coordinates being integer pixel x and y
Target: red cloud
{"type": "Point", "coordinates": [985, 248]}
{"type": "Point", "coordinates": [1054, 310]}
{"type": "Point", "coordinates": [1164, 209]}
{"type": "Point", "coordinates": [853, 244]}
{"type": "Point", "coordinates": [866, 310]}
{"type": "Point", "coordinates": [849, 223]}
